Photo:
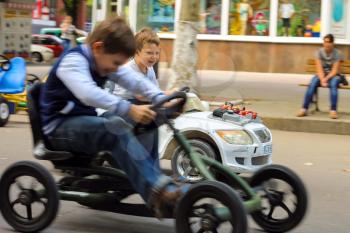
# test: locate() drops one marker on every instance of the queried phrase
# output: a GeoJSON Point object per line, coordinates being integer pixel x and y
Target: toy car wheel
{"type": "Point", "coordinates": [197, 210]}
{"type": "Point", "coordinates": [5, 63]}
{"type": "Point", "coordinates": [4, 111]}
{"type": "Point", "coordinates": [28, 196]}
{"type": "Point", "coordinates": [37, 57]}
{"type": "Point", "coordinates": [181, 164]}
{"type": "Point", "coordinates": [284, 198]}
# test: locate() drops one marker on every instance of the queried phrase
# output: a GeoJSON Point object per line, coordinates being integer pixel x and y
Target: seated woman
{"type": "Point", "coordinates": [328, 61]}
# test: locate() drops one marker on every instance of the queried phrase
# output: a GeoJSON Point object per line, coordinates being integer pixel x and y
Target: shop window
{"type": "Point", "coordinates": [156, 14]}
{"type": "Point", "coordinates": [210, 16]}
{"type": "Point", "coordinates": [339, 18]}
{"type": "Point", "coordinates": [299, 18]}
{"type": "Point", "coordinates": [249, 17]}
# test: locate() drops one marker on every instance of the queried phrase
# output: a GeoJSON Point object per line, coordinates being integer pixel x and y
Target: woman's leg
{"type": "Point", "coordinates": [333, 88]}
{"type": "Point", "coordinates": [314, 84]}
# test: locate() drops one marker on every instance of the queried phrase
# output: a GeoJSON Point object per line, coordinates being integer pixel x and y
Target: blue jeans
{"type": "Point", "coordinates": [91, 134]}
{"type": "Point", "coordinates": [333, 85]}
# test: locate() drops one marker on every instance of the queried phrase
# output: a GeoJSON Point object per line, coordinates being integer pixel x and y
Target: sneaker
{"type": "Point", "coordinates": [333, 115]}
{"type": "Point", "coordinates": [301, 113]}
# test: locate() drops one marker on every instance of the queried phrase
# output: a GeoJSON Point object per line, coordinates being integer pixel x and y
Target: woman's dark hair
{"type": "Point", "coordinates": [116, 36]}
{"type": "Point", "coordinates": [330, 37]}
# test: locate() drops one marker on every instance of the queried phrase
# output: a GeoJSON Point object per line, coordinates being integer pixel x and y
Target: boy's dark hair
{"type": "Point", "coordinates": [144, 36]}
{"type": "Point", "coordinates": [330, 37]}
{"type": "Point", "coordinates": [116, 36]}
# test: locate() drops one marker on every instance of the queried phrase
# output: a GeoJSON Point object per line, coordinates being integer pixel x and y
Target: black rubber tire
{"type": "Point", "coordinates": [198, 145]}
{"type": "Point", "coordinates": [37, 57]}
{"type": "Point", "coordinates": [278, 172]}
{"type": "Point", "coordinates": [5, 65]}
{"type": "Point", "coordinates": [215, 190]}
{"type": "Point", "coordinates": [4, 111]}
{"type": "Point", "coordinates": [31, 169]}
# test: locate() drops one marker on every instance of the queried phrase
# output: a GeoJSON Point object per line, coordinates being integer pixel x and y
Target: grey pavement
{"type": "Point", "coordinates": [276, 97]}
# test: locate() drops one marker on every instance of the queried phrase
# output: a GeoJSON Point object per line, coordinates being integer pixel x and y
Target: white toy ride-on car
{"type": "Point", "coordinates": [235, 137]}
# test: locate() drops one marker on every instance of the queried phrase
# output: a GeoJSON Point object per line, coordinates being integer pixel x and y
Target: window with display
{"type": "Point", "coordinates": [300, 18]}
{"type": "Point", "coordinates": [156, 14]}
{"type": "Point", "coordinates": [210, 16]}
{"type": "Point", "coordinates": [249, 17]}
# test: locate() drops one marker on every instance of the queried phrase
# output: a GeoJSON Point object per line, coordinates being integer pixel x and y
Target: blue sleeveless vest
{"type": "Point", "coordinates": [57, 102]}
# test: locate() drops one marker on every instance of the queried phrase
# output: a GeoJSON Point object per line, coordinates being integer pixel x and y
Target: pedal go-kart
{"type": "Point", "coordinates": [13, 79]}
{"type": "Point", "coordinates": [275, 197]}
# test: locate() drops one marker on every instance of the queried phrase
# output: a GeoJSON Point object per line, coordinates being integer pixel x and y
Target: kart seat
{"type": "Point", "coordinates": [41, 150]}
{"type": "Point", "coordinates": [13, 80]}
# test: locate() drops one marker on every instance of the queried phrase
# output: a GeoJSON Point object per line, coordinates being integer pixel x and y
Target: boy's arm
{"type": "Point", "coordinates": [74, 72]}
{"type": "Point", "coordinates": [136, 83]}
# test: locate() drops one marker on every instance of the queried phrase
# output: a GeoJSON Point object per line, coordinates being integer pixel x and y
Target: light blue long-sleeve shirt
{"type": "Point", "coordinates": [74, 72]}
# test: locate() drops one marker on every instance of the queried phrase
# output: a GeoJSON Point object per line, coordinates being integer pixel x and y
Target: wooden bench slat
{"type": "Point", "coordinates": [345, 70]}
{"type": "Point", "coordinates": [340, 87]}
{"type": "Point", "coordinates": [311, 66]}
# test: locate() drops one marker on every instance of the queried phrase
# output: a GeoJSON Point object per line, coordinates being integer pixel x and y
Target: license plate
{"type": "Point", "coordinates": [267, 149]}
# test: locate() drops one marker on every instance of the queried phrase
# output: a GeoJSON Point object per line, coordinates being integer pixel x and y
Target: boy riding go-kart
{"type": "Point", "coordinates": [67, 131]}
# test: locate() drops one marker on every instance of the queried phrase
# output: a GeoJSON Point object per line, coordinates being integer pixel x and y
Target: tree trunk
{"type": "Point", "coordinates": [183, 67]}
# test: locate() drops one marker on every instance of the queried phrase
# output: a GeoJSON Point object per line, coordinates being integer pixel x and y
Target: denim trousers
{"type": "Point", "coordinates": [137, 156]}
{"type": "Point", "coordinates": [333, 85]}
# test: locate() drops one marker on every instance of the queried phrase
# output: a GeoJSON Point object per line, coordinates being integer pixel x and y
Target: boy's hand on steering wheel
{"type": "Point", "coordinates": [172, 104]}
{"type": "Point", "coordinates": [142, 114]}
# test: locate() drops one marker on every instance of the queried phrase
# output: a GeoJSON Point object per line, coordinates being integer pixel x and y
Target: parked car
{"type": "Point", "coordinates": [240, 142]}
{"type": "Point", "coordinates": [40, 53]}
{"type": "Point", "coordinates": [49, 41]}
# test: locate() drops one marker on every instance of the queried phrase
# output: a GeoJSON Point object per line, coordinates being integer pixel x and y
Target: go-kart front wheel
{"type": "Point", "coordinates": [28, 196]}
{"type": "Point", "coordinates": [198, 210]}
{"type": "Point", "coordinates": [284, 198]}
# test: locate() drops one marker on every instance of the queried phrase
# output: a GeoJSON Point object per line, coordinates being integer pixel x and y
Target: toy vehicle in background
{"type": "Point", "coordinates": [234, 137]}
{"type": "Point", "coordinates": [41, 53]}
{"type": "Point", "coordinates": [49, 41]}
{"type": "Point", "coordinates": [12, 82]}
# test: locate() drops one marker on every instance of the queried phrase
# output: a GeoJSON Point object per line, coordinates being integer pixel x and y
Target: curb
{"type": "Point", "coordinates": [308, 125]}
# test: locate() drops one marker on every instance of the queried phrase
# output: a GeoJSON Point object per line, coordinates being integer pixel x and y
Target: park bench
{"type": "Point", "coordinates": [310, 68]}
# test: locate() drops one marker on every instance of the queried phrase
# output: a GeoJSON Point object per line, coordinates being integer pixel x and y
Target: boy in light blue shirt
{"type": "Point", "coordinates": [73, 91]}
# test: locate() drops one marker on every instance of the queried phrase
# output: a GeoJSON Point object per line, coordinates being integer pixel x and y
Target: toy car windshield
{"type": "Point", "coordinates": [193, 103]}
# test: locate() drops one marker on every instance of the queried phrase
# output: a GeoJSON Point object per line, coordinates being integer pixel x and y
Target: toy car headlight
{"type": "Point", "coordinates": [237, 137]}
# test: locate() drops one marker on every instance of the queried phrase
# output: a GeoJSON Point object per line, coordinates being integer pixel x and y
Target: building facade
{"type": "Point", "coordinates": [244, 35]}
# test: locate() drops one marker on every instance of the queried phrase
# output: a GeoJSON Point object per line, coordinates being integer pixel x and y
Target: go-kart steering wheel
{"type": "Point", "coordinates": [163, 113]}
{"type": "Point", "coordinates": [169, 111]}
{"type": "Point", "coordinates": [185, 89]}
{"type": "Point", "coordinates": [5, 63]}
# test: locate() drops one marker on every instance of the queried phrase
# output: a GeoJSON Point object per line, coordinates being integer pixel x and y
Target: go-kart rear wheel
{"type": "Point", "coordinates": [28, 196]}
{"type": "Point", "coordinates": [284, 198]}
{"type": "Point", "coordinates": [4, 111]}
{"type": "Point", "coordinates": [196, 210]}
